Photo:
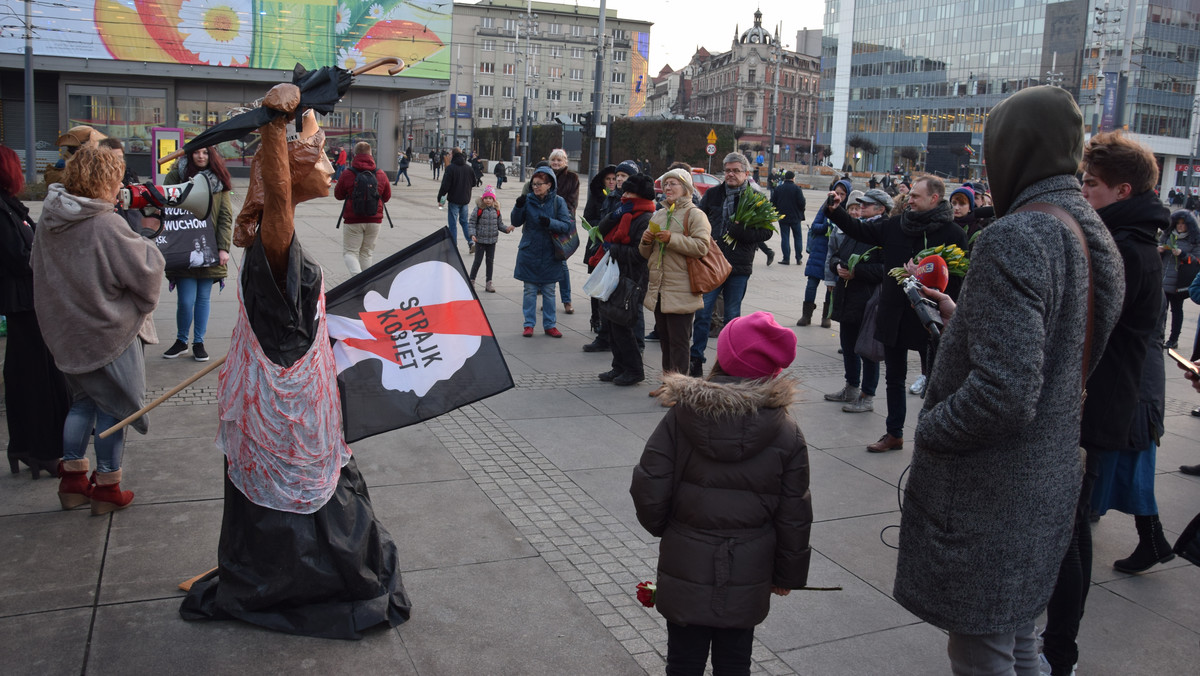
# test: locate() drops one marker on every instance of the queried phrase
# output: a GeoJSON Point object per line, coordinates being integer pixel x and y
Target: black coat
{"type": "Point", "coordinates": [16, 243]}
{"type": "Point", "coordinates": [457, 181]}
{"type": "Point", "coordinates": [850, 297]}
{"type": "Point", "coordinates": [1114, 383]}
{"type": "Point", "coordinates": [740, 254]}
{"type": "Point", "coordinates": [897, 323]}
{"type": "Point", "coordinates": [724, 482]}
{"type": "Point", "coordinates": [788, 199]}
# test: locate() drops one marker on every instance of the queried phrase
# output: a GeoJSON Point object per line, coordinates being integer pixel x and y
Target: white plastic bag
{"type": "Point", "coordinates": [603, 280]}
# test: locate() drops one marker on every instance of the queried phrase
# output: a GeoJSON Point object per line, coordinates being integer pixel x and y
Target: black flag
{"type": "Point", "coordinates": [411, 340]}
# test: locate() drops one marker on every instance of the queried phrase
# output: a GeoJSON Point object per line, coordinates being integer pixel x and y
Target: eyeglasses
{"type": "Point", "coordinates": [735, 171]}
{"type": "Point", "coordinates": [539, 183]}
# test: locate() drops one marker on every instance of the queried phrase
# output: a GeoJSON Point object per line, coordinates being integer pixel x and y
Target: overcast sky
{"type": "Point", "coordinates": [682, 25]}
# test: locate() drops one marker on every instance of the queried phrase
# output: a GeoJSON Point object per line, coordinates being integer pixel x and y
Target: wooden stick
{"type": "Point", "coordinates": [172, 156]}
{"type": "Point", "coordinates": [186, 585]}
{"type": "Point", "coordinates": [174, 391]}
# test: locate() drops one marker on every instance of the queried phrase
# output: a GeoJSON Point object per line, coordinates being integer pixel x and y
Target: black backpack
{"type": "Point", "coordinates": [364, 201]}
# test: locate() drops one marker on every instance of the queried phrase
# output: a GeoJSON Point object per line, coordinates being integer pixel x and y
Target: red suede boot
{"type": "Point", "coordinates": [107, 495]}
{"type": "Point", "coordinates": [74, 488]}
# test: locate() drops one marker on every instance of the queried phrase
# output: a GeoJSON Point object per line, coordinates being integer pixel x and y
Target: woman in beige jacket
{"type": "Point", "coordinates": [677, 232]}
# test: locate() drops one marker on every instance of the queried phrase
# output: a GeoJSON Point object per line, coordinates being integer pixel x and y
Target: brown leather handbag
{"type": "Point", "coordinates": [709, 272]}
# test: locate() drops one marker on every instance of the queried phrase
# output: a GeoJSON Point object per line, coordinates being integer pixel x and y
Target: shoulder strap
{"type": "Point", "coordinates": [1073, 225]}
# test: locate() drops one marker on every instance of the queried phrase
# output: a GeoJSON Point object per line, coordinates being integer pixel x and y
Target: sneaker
{"type": "Point", "coordinates": [652, 337]}
{"type": "Point", "coordinates": [1045, 669]}
{"type": "Point", "coordinates": [784, 262]}
{"type": "Point", "coordinates": [553, 332]}
{"type": "Point", "coordinates": [1171, 344]}
{"type": "Point", "coordinates": [846, 394]}
{"type": "Point", "coordinates": [863, 404]}
{"type": "Point", "coordinates": [489, 288]}
{"type": "Point", "coordinates": [199, 353]}
{"type": "Point", "coordinates": [528, 332]}
{"type": "Point", "coordinates": [918, 386]}
{"type": "Point", "coordinates": [175, 350]}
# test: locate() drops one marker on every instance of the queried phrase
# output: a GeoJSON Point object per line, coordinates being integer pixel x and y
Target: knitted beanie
{"type": "Point", "coordinates": [683, 177]}
{"type": "Point", "coordinates": [488, 192]}
{"type": "Point", "coordinates": [628, 167]}
{"type": "Point", "coordinates": [755, 347]}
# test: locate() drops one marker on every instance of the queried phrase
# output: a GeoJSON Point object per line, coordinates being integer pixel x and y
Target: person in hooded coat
{"type": "Point", "coordinates": [927, 223]}
{"type": "Point", "coordinates": [542, 213]}
{"type": "Point", "coordinates": [996, 468]}
{"type": "Point", "coordinates": [818, 256]}
{"type": "Point", "coordinates": [724, 481]}
{"type": "Point", "coordinates": [1179, 247]}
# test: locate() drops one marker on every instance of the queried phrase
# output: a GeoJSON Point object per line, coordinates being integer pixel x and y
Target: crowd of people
{"type": "Point", "coordinates": [1038, 322]}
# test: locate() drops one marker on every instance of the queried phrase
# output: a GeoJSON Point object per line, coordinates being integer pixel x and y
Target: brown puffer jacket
{"type": "Point", "coordinates": [724, 482]}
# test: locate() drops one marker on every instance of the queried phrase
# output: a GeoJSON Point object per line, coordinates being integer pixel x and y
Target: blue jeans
{"type": "Point", "coordinates": [734, 289]}
{"type": "Point", "coordinates": [193, 304]}
{"type": "Point", "coordinates": [529, 304]}
{"type": "Point", "coordinates": [565, 284]}
{"type": "Point", "coordinates": [788, 231]}
{"type": "Point", "coordinates": [810, 291]}
{"type": "Point", "coordinates": [461, 214]}
{"type": "Point", "coordinates": [82, 419]}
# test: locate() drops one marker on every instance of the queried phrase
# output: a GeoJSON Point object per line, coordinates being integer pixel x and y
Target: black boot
{"type": "Point", "coordinates": [1152, 546]}
{"type": "Point", "coordinates": [806, 317]}
{"type": "Point", "coordinates": [697, 369]}
{"type": "Point", "coordinates": [597, 345]}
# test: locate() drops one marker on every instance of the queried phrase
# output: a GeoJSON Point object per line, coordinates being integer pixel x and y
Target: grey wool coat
{"type": "Point", "coordinates": [996, 468]}
{"type": "Point", "coordinates": [724, 482]}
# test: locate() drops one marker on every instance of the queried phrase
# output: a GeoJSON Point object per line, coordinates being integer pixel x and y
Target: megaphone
{"type": "Point", "coordinates": [195, 196]}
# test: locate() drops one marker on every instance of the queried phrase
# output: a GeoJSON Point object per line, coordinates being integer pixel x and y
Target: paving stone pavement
{"type": "Point", "coordinates": [518, 541]}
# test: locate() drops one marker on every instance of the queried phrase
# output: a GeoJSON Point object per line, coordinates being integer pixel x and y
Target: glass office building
{"type": "Point", "coordinates": [913, 80]}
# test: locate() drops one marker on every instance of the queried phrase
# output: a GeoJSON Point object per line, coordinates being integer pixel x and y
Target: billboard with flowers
{"type": "Point", "coordinates": [247, 33]}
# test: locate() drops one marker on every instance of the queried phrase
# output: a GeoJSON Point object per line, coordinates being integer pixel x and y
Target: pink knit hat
{"type": "Point", "coordinates": [755, 346]}
{"type": "Point", "coordinates": [488, 192]}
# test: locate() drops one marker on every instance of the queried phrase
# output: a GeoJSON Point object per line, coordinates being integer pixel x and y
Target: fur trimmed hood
{"type": "Point", "coordinates": [729, 419]}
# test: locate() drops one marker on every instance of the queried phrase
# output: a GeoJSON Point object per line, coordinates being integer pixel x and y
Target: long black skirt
{"type": "Point", "coordinates": [330, 574]}
{"type": "Point", "coordinates": [35, 393]}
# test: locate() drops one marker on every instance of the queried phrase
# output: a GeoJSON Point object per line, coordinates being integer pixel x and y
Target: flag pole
{"type": "Point", "coordinates": [174, 390]}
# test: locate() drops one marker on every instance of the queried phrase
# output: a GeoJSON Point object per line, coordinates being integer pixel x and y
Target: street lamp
{"type": "Point", "coordinates": [30, 141]}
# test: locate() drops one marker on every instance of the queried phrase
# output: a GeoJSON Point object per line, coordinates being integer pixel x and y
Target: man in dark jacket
{"type": "Point", "coordinates": [995, 467]}
{"type": "Point", "coordinates": [927, 223]}
{"type": "Point", "coordinates": [457, 182]}
{"type": "Point", "coordinates": [857, 280]}
{"type": "Point", "coordinates": [360, 230]}
{"type": "Point", "coordinates": [1118, 181]}
{"type": "Point", "coordinates": [788, 199]}
{"type": "Point", "coordinates": [718, 204]}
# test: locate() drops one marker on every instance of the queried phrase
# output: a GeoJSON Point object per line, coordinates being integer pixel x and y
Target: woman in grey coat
{"type": "Point", "coordinates": [996, 466]}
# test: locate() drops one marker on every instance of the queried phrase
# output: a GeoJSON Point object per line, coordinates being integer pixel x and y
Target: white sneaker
{"type": "Point", "coordinates": [1044, 666]}
{"type": "Point", "coordinates": [918, 386]}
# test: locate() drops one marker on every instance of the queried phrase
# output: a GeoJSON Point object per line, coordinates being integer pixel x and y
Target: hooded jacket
{"type": "Point", "coordinates": [1188, 246]}
{"type": "Point", "coordinates": [94, 280]}
{"type": "Point", "coordinates": [536, 263]}
{"type": "Point", "coordinates": [995, 474]}
{"type": "Point", "coordinates": [484, 223]}
{"type": "Point", "coordinates": [818, 238]}
{"type": "Point", "coordinates": [457, 181]}
{"type": "Point", "coordinates": [598, 204]}
{"type": "Point", "coordinates": [901, 238]}
{"type": "Point", "coordinates": [344, 190]}
{"type": "Point", "coordinates": [724, 482]}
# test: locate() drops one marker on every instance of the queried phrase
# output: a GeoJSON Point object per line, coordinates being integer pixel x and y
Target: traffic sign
{"type": "Point", "coordinates": [711, 149]}
{"type": "Point", "coordinates": [712, 136]}
{"type": "Point", "coordinates": [411, 137]}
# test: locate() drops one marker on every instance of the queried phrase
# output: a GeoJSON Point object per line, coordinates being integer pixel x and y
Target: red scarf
{"type": "Point", "coordinates": [620, 234]}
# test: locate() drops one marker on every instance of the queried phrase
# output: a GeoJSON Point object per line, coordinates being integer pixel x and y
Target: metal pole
{"type": "Point", "coordinates": [30, 141]}
{"type": "Point", "coordinates": [597, 87]}
{"type": "Point", "coordinates": [529, 18]}
{"type": "Point", "coordinates": [774, 111]}
{"type": "Point", "coordinates": [513, 154]}
{"type": "Point", "coordinates": [454, 103]}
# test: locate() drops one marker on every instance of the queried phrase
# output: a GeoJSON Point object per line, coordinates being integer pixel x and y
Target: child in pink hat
{"type": "Point", "coordinates": [483, 226]}
{"type": "Point", "coordinates": [724, 482]}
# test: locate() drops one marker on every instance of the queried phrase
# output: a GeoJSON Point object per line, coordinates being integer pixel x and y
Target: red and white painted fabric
{"type": "Point", "coordinates": [281, 428]}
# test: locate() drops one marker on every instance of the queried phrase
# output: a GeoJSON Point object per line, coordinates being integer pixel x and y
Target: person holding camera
{"type": "Point", "coordinates": [927, 223]}
{"type": "Point", "coordinates": [193, 284]}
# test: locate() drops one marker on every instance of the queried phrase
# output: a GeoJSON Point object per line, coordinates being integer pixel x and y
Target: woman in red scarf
{"type": "Point", "coordinates": [622, 230]}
